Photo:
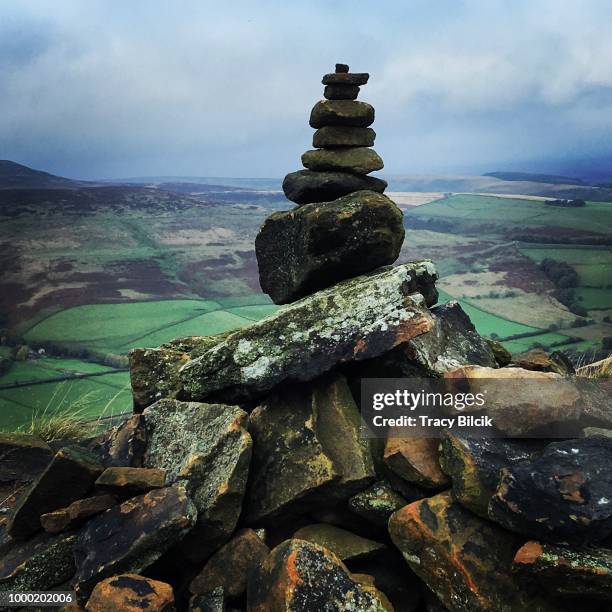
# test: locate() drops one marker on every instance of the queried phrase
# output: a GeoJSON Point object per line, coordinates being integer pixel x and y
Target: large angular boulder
{"type": "Point", "coordinates": [314, 246]}
{"type": "Point", "coordinates": [306, 186]}
{"type": "Point", "coordinates": [205, 447]}
{"type": "Point", "coordinates": [360, 160]}
{"type": "Point", "coordinates": [572, 572]}
{"type": "Point", "coordinates": [564, 494]}
{"type": "Point", "coordinates": [131, 593]}
{"type": "Point", "coordinates": [341, 112]}
{"type": "Point", "coordinates": [68, 477]}
{"type": "Point", "coordinates": [466, 561]}
{"type": "Point", "coordinates": [307, 449]}
{"type": "Point", "coordinates": [154, 372]}
{"type": "Point", "coordinates": [451, 343]}
{"type": "Point", "coordinates": [232, 565]}
{"type": "Point", "coordinates": [132, 536]}
{"type": "Point", "coordinates": [525, 402]}
{"type": "Point", "coordinates": [38, 564]}
{"type": "Point", "coordinates": [337, 136]}
{"type": "Point", "coordinates": [299, 576]}
{"type": "Point", "coordinates": [22, 458]}
{"type": "Point", "coordinates": [416, 460]}
{"type": "Point", "coordinates": [357, 319]}
{"type": "Point", "coordinates": [346, 545]}
{"type": "Point", "coordinates": [474, 464]}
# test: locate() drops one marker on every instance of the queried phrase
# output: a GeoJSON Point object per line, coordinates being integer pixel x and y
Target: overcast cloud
{"type": "Point", "coordinates": [94, 89]}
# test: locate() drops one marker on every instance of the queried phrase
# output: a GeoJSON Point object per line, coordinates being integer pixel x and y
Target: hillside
{"type": "Point", "coordinates": [17, 176]}
{"type": "Point", "coordinates": [534, 177]}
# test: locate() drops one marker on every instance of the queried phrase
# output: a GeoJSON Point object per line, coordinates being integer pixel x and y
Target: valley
{"type": "Point", "coordinates": [89, 272]}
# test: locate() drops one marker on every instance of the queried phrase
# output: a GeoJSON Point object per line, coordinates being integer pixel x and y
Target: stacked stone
{"type": "Point", "coordinates": [343, 225]}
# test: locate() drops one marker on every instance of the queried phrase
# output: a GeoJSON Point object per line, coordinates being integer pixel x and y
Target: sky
{"type": "Point", "coordinates": [110, 89]}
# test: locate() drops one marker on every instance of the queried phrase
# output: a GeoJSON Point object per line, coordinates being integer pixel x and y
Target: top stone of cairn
{"type": "Point", "coordinates": [342, 76]}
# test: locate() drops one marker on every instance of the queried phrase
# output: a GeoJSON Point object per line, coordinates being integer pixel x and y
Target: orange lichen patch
{"type": "Point", "coordinates": [570, 485]}
{"type": "Point", "coordinates": [415, 326]}
{"type": "Point", "coordinates": [528, 553]}
{"type": "Point", "coordinates": [130, 593]}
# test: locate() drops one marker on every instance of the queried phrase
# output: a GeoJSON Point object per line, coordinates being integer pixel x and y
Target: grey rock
{"type": "Point", "coordinates": [341, 112]}
{"type": "Point", "coordinates": [359, 160]}
{"type": "Point", "coordinates": [314, 246]}
{"type": "Point", "coordinates": [357, 319]}
{"type": "Point", "coordinates": [334, 136]}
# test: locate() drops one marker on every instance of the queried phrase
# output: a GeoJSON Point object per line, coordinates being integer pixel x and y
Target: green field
{"type": "Point", "coordinates": [500, 212]}
{"type": "Point", "coordinates": [110, 328]}
{"type": "Point", "coordinates": [594, 298]}
{"type": "Point", "coordinates": [592, 264]}
{"type": "Point", "coordinates": [489, 324]}
{"type": "Point", "coordinates": [116, 328]}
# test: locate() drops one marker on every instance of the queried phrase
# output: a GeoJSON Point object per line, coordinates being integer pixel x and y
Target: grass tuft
{"type": "Point", "coordinates": [599, 369]}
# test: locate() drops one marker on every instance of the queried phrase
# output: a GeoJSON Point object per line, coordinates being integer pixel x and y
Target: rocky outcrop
{"type": "Point", "coordinates": [302, 577]}
{"type": "Point", "coordinates": [69, 476]}
{"type": "Point", "coordinates": [346, 545]}
{"type": "Point", "coordinates": [76, 513]}
{"type": "Point", "coordinates": [312, 247]}
{"type": "Point", "coordinates": [307, 449]}
{"type": "Point", "coordinates": [206, 448]}
{"type": "Point", "coordinates": [474, 465]}
{"type": "Point", "coordinates": [231, 566]}
{"type": "Point", "coordinates": [571, 572]}
{"type": "Point", "coordinates": [354, 320]}
{"type": "Point", "coordinates": [131, 593]}
{"type": "Point", "coordinates": [466, 561]}
{"type": "Point", "coordinates": [565, 494]}
{"type": "Point", "coordinates": [22, 458]}
{"type": "Point", "coordinates": [132, 536]}
{"type": "Point", "coordinates": [38, 564]}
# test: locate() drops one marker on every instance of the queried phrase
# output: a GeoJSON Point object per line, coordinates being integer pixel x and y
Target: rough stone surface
{"type": "Point", "coordinates": [346, 545]}
{"type": "Point", "coordinates": [302, 577]}
{"type": "Point", "coordinates": [341, 92]}
{"type": "Point", "coordinates": [314, 246]}
{"type": "Point", "coordinates": [417, 461]}
{"type": "Point", "coordinates": [357, 319]}
{"type": "Point", "coordinates": [307, 448]}
{"type": "Point", "coordinates": [564, 494]}
{"type": "Point", "coordinates": [22, 458]}
{"type": "Point", "coordinates": [231, 566]}
{"type": "Point", "coordinates": [573, 572]}
{"type": "Point", "coordinates": [131, 593]}
{"type": "Point", "coordinates": [466, 561]}
{"type": "Point", "coordinates": [123, 445]}
{"type": "Point", "coordinates": [538, 360]}
{"type": "Point", "coordinates": [154, 372]}
{"type": "Point", "coordinates": [214, 601]}
{"type": "Point", "coordinates": [41, 563]}
{"type": "Point", "coordinates": [522, 402]}
{"type": "Point", "coordinates": [76, 513]}
{"type": "Point", "coordinates": [207, 448]}
{"type": "Point", "coordinates": [131, 536]}
{"type": "Point", "coordinates": [377, 503]}
{"type": "Point", "coordinates": [502, 355]}
{"type": "Point", "coordinates": [306, 186]}
{"type": "Point", "coordinates": [131, 481]}
{"type": "Point", "coordinates": [475, 464]}
{"type": "Point", "coordinates": [332, 137]}
{"type": "Point", "coordinates": [360, 160]}
{"type": "Point", "coordinates": [68, 477]}
{"type": "Point", "coordinates": [341, 112]}
{"type": "Point", "coordinates": [346, 78]}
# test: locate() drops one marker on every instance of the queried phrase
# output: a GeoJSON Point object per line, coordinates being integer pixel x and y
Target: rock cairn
{"type": "Point", "coordinates": [242, 482]}
{"type": "Point", "coordinates": [343, 225]}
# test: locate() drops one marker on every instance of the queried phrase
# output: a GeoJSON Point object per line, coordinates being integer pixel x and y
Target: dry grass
{"type": "Point", "coordinates": [599, 369]}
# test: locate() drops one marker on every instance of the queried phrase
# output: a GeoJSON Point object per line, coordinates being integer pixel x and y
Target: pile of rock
{"type": "Point", "coordinates": [243, 483]}
{"type": "Point", "coordinates": [343, 225]}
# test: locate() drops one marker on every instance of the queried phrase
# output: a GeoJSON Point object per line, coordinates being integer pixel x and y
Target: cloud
{"type": "Point", "coordinates": [192, 87]}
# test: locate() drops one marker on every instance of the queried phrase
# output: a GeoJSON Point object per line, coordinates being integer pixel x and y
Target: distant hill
{"type": "Point", "coordinates": [17, 176]}
{"type": "Point", "coordinates": [535, 177]}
